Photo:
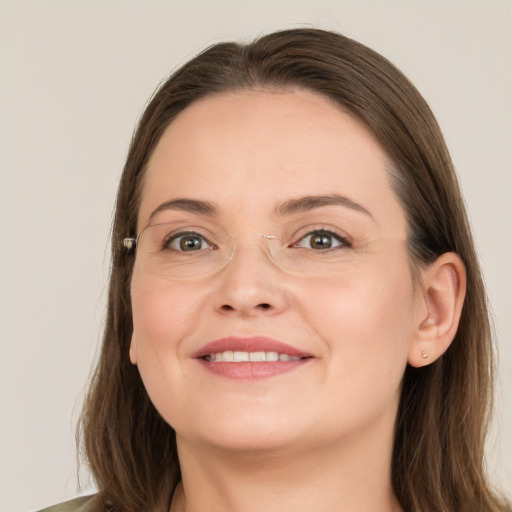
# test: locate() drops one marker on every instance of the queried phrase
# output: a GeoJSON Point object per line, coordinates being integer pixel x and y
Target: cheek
{"type": "Point", "coordinates": [162, 313]}
{"type": "Point", "coordinates": [366, 318]}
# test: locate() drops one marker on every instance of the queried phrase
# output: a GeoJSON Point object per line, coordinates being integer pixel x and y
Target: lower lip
{"type": "Point", "coordinates": [252, 370]}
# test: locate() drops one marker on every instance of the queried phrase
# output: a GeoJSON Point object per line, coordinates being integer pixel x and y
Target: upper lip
{"type": "Point", "coordinates": [249, 344]}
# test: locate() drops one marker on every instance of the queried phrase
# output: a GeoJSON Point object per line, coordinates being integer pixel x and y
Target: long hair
{"type": "Point", "coordinates": [438, 453]}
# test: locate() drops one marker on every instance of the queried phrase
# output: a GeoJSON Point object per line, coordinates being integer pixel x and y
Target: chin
{"type": "Point", "coordinates": [251, 434]}
{"type": "Point", "coordinates": [251, 444]}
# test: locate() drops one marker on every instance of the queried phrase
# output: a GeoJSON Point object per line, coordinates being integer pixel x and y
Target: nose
{"type": "Point", "coordinates": [251, 284]}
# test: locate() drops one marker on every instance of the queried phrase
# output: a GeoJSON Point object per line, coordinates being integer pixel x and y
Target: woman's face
{"type": "Point", "coordinates": [284, 198]}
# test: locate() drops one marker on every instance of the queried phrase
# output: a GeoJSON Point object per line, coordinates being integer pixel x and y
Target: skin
{"type": "Point", "coordinates": [319, 437]}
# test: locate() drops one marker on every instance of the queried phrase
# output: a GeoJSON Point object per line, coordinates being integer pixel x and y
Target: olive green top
{"type": "Point", "coordinates": [86, 504]}
{"type": "Point", "coordinates": [76, 505]}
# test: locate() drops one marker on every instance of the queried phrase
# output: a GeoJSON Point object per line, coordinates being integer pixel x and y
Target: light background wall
{"type": "Point", "coordinates": [74, 78]}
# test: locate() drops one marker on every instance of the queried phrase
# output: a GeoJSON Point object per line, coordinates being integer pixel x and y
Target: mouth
{"type": "Point", "coordinates": [250, 358]}
{"type": "Point", "coordinates": [237, 356]}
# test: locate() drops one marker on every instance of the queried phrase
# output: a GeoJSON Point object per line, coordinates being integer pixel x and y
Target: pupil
{"type": "Point", "coordinates": [321, 241]}
{"type": "Point", "coordinates": [190, 243]}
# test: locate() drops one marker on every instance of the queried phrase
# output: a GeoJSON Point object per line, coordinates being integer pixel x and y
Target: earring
{"type": "Point", "coordinates": [424, 354]}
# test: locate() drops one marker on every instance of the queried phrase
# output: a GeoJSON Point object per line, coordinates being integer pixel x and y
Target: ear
{"type": "Point", "coordinates": [441, 297]}
{"type": "Point", "coordinates": [133, 350]}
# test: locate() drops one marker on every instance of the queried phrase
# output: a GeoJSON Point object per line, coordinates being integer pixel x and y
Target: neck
{"type": "Point", "coordinates": [339, 477]}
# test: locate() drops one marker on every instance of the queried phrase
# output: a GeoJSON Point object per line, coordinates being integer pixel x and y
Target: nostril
{"type": "Point", "coordinates": [228, 307]}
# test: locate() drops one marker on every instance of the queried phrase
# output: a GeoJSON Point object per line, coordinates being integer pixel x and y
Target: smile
{"type": "Point", "coordinates": [250, 359]}
{"type": "Point", "coordinates": [230, 356]}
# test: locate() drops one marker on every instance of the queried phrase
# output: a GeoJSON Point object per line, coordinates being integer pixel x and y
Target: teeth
{"type": "Point", "coordinates": [239, 357]}
{"type": "Point", "coordinates": [286, 357]}
{"type": "Point", "coordinates": [272, 356]}
{"type": "Point", "coordinates": [236, 356]}
{"type": "Point", "coordinates": [257, 356]}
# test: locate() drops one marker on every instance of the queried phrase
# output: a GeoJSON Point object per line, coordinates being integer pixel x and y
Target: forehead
{"type": "Point", "coordinates": [253, 149]}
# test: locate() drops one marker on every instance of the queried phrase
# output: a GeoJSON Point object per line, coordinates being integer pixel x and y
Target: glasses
{"type": "Point", "coordinates": [175, 253]}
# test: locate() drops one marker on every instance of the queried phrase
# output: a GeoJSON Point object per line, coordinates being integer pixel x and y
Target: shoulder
{"type": "Point", "coordinates": [76, 505]}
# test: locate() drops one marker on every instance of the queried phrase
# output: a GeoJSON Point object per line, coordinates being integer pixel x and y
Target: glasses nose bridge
{"type": "Point", "coordinates": [264, 243]}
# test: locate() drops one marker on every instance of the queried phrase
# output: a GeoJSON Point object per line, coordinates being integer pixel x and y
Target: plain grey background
{"type": "Point", "coordinates": [74, 78]}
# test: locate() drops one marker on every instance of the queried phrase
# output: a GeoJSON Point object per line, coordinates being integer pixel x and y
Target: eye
{"type": "Point", "coordinates": [187, 242]}
{"type": "Point", "coordinates": [321, 240]}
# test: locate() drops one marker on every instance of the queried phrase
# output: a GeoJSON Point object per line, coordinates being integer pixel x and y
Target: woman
{"type": "Point", "coordinates": [297, 319]}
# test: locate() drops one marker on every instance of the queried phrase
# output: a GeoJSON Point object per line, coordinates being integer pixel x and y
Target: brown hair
{"type": "Point", "coordinates": [441, 424]}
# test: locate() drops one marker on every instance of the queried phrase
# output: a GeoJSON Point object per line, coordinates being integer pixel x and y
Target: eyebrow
{"type": "Point", "coordinates": [186, 205]}
{"type": "Point", "coordinates": [308, 203]}
{"type": "Point", "coordinates": [290, 207]}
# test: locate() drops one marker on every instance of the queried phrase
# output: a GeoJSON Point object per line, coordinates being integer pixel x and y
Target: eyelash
{"type": "Point", "coordinates": [173, 237]}
{"type": "Point", "coordinates": [341, 239]}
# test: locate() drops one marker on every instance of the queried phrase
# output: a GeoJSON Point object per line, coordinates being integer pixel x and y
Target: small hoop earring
{"type": "Point", "coordinates": [424, 354]}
